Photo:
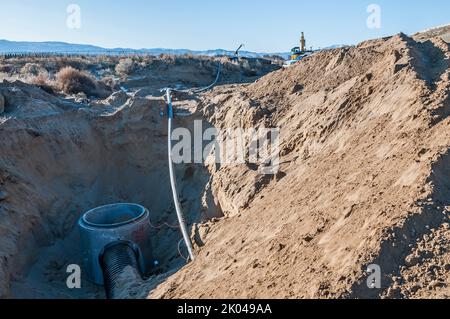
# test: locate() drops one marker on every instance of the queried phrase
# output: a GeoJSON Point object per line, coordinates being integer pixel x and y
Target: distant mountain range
{"type": "Point", "coordinates": [69, 48]}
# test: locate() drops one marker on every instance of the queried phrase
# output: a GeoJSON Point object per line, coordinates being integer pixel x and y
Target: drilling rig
{"type": "Point", "coordinates": [298, 53]}
{"type": "Point", "coordinates": [301, 50]}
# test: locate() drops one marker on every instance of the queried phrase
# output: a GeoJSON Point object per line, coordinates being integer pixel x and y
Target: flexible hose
{"type": "Point", "coordinates": [219, 71]}
{"type": "Point", "coordinates": [173, 181]}
{"type": "Point", "coordinates": [117, 258]}
{"type": "Point", "coordinates": [199, 90]}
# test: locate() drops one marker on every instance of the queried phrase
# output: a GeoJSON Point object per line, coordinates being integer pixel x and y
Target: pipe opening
{"type": "Point", "coordinates": [112, 216]}
{"type": "Point", "coordinates": [103, 228]}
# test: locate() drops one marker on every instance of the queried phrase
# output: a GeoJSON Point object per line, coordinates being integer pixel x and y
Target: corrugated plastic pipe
{"type": "Point", "coordinates": [119, 263]}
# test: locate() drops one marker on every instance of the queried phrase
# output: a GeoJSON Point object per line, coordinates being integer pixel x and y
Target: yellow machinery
{"type": "Point", "coordinates": [298, 52]}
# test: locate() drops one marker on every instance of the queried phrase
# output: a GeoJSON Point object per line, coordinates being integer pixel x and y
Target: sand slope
{"type": "Point", "coordinates": [441, 32]}
{"type": "Point", "coordinates": [365, 145]}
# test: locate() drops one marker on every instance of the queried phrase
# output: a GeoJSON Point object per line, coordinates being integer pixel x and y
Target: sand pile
{"type": "Point", "coordinates": [441, 32]}
{"type": "Point", "coordinates": [364, 180]}
{"type": "Point", "coordinates": [26, 101]}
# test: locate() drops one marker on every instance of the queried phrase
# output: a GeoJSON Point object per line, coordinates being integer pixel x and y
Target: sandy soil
{"type": "Point", "coordinates": [441, 32]}
{"type": "Point", "coordinates": [365, 149]}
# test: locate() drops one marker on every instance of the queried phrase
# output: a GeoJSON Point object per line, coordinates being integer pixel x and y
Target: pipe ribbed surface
{"type": "Point", "coordinates": [119, 263]}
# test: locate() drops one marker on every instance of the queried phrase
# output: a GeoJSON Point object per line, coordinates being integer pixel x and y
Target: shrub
{"type": "Point", "coordinates": [8, 68]}
{"type": "Point", "coordinates": [50, 65]}
{"type": "Point", "coordinates": [43, 81]}
{"type": "Point", "coordinates": [73, 81]}
{"type": "Point", "coordinates": [168, 58]}
{"type": "Point", "coordinates": [125, 66]}
{"type": "Point", "coordinates": [148, 59]}
{"type": "Point", "coordinates": [33, 69]}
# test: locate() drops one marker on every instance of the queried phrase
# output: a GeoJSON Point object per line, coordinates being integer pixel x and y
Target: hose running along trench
{"type": "Point", "coordinates": [173, 180]}
{"type": "Point", "coordinates": [120, 261]}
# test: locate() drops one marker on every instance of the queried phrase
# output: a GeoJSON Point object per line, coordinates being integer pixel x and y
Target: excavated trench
{"type": "Point", "coordinates": [58, 167]}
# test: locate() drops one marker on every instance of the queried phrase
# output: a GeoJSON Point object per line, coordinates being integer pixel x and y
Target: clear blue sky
{"type": "Point", "coordinates": [263, 26]}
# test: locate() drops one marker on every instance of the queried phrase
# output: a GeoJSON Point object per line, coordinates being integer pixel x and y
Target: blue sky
{"type": "Point", "coordinates": [263, 26]}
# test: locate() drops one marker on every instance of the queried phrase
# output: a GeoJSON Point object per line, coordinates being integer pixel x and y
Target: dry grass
{"type": "Point", "coordinates": [73, 81]}
{"type": "Point", "coordinates": [7, 68]}
{"type": "Point", "coordinates": [97, 76]}
{"type": "Point", "coordinates": [169, 58]}
{"type": "Point", "coordinates": [32, 69]}
{"type": "Point", "coordinates": [43, 81]}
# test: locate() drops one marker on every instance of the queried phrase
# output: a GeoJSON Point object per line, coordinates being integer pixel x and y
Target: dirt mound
{"type": "Point", "coordinates": [189, 72]}
{"type": "Point", "coordinates": [441, 32]}
{"type": "Point", "coordinates": [23, 100]}
{"type": "Point", "coordinates": [364, 175]}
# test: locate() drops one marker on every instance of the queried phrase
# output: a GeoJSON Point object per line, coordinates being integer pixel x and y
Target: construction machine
{"type": "Point", "coordinates": [298, 53]}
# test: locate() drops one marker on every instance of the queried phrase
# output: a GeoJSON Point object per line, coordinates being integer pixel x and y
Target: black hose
{"type": "Point", "coordinates": [116, 258]}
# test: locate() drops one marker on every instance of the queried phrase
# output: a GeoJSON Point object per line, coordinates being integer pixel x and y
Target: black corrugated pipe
{"type": "Point", "coordinates": [116, 258]}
